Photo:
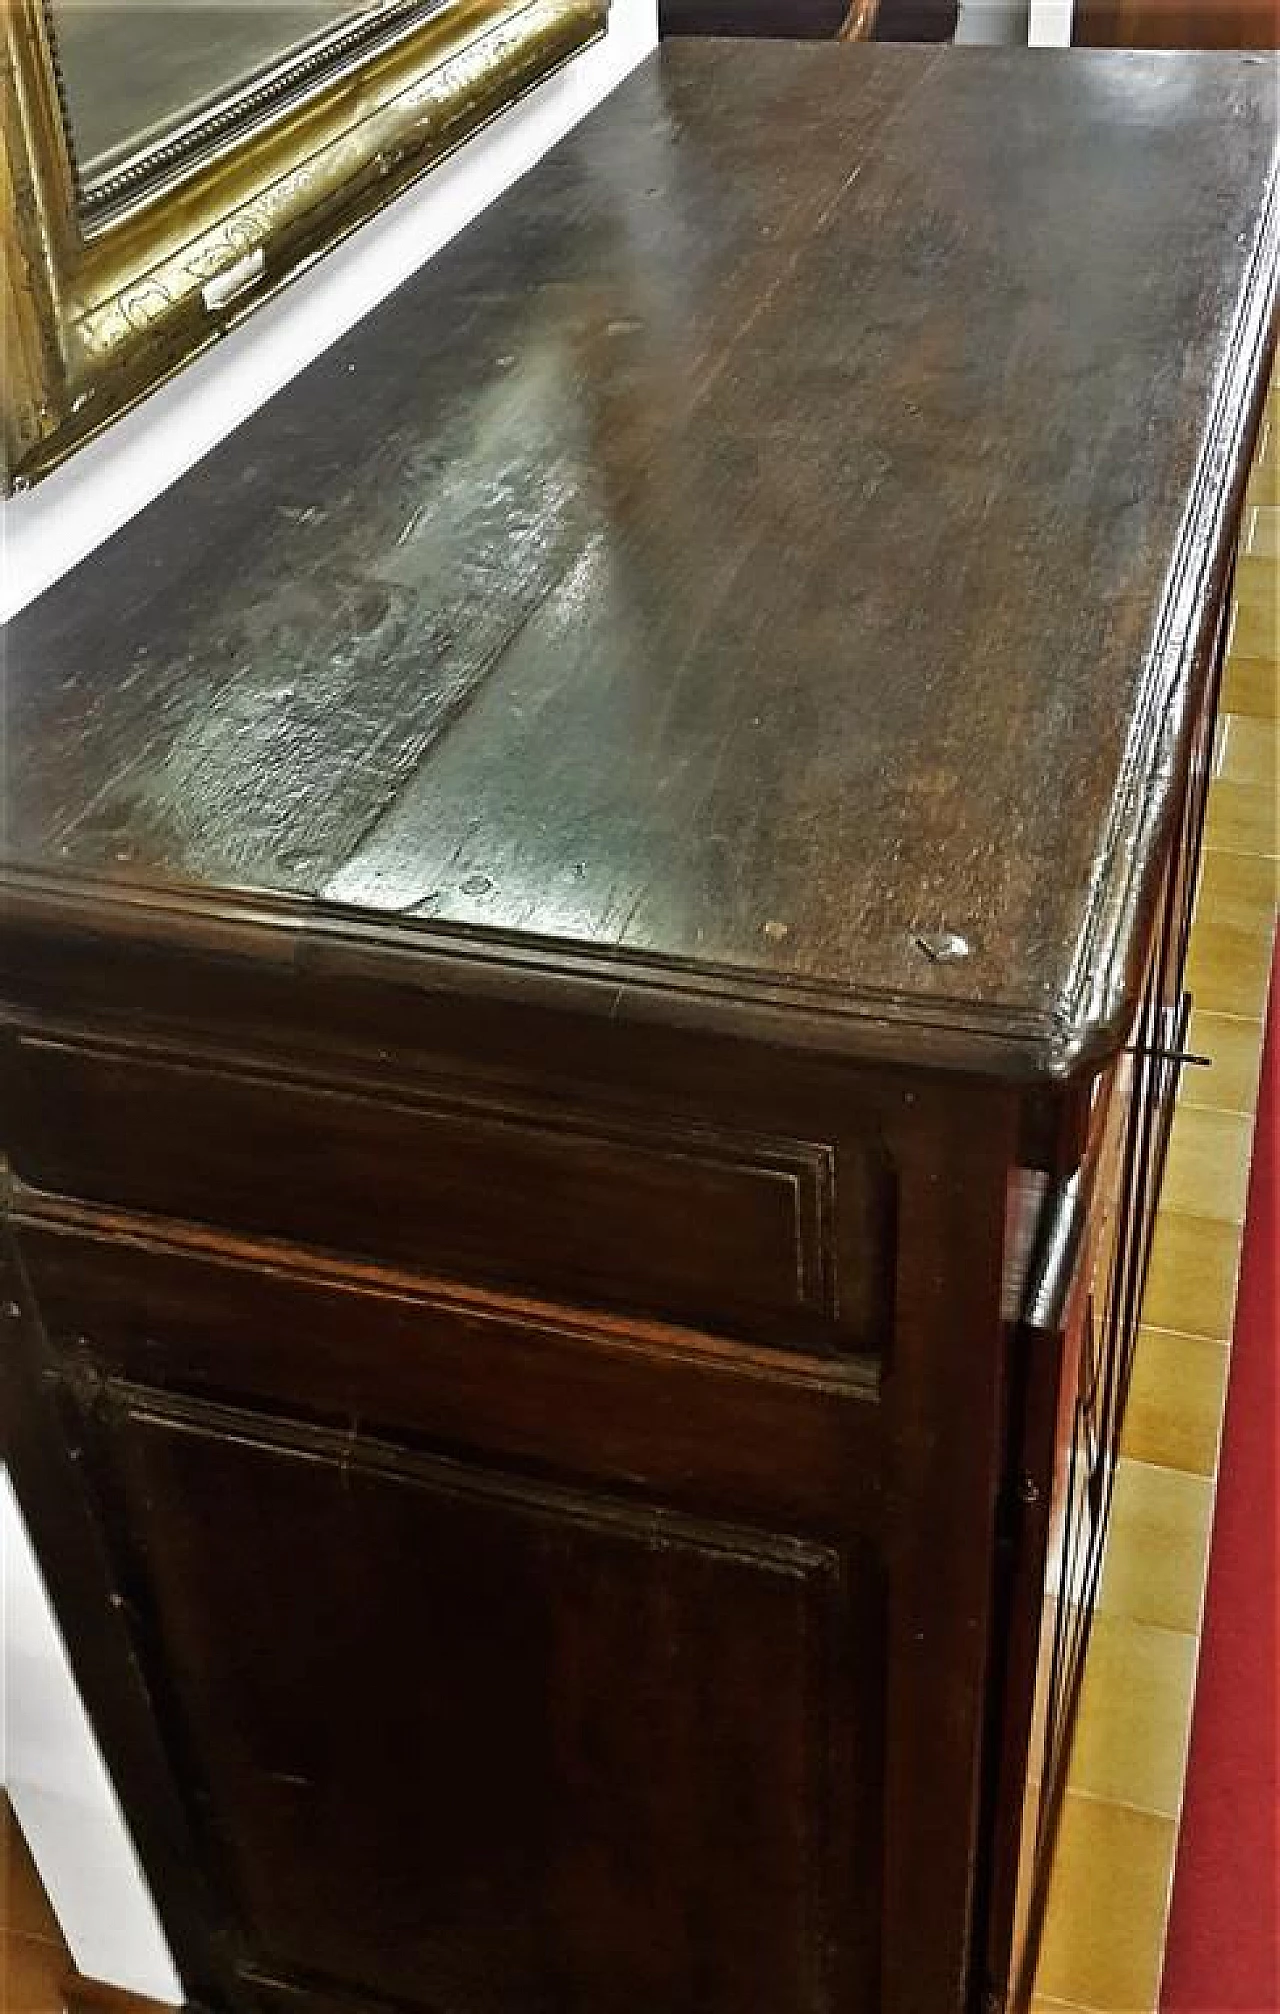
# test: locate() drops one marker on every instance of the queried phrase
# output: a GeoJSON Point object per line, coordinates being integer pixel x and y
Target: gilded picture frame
{"type": "Point", "coordinates": [106, 299]}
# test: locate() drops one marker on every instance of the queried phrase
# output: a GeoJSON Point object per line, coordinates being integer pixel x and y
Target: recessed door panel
{"type": "Point", "coordinates": [483, 1746]}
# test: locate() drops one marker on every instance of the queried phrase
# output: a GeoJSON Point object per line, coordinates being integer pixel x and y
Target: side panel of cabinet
{"type": "Point", "coordinates": [511, 1659]}
{"type": "Point", "coordinates": [463, 1742]}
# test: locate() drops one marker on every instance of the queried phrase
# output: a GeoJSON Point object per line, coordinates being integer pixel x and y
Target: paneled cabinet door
{"type": "Point", "coordinates": [457, 1740]}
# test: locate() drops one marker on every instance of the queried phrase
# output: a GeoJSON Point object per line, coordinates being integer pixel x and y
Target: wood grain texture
{"type": "Point", "coordinates": [738, 1231]}
{"type": "Point", "coordinates": [531, 1806]}
{"type": "Point", "coordinates": [817, 20]}
{"type": "Point", "coordinates": [797, 20]}
{"type": "Point", "coordinates": [568, 600]}
{"type": "Point", "coordinates": [794, 1444]}
{"type": "Point", "coordinates": [511, 1191]}
{"type": "Point", "coordinates": [1177, 24]}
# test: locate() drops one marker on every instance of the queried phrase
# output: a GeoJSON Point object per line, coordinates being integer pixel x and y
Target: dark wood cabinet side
{"type": "Point", "coordinates": [511, 1658]}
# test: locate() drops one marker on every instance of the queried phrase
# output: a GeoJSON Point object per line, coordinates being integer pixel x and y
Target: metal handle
{"type": "Point", "coordinates": [1058, 1245]}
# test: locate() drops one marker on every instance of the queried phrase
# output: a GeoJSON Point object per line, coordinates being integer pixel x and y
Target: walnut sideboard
{"type": "Point", "coordinates": [591, 959]}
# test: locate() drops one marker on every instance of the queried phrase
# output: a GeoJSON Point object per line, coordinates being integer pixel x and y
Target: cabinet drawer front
{"type": "Point", "coordinates": [745, 1432]}
{"type": "Point", "coordinates": [675, 1224]}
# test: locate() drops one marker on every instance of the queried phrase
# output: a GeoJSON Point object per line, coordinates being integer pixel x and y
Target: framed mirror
{"type": "Point", "coordinates": [168, 164]}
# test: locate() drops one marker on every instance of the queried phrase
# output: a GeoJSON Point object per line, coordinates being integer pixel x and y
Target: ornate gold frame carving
{"type": "Point", "coordinates": [96, 313]}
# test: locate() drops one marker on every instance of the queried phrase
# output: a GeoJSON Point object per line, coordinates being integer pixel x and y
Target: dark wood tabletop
{"type": "Point", "coordinates": [768, 553]}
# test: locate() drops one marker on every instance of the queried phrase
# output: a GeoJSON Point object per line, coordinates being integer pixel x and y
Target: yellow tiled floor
{"type": "Point", "coordinates": [1136, 1698]}
{"type": "Point", "coordinates": [1234, 1046]}
{"type": "Point", "coordinates": [1110, 1889]}
{"type": "Point", "coordinates": [1191, 1286]}
{"type": "Point", "coordinates": [1104, 1933]}
{"type": "Point", "coordinates": [1160, 1522]}
{"type": "Point", "coordinates": [1230, 959]}
{"type": "Point", "coordinates": [1176, 1400]}
{"type": "Point", "coordinates": [1262, 532]}
{"type": "Point", "coordinates": [1207, 1172]}
{"type": "Point", "coordinates": [1248, 686]}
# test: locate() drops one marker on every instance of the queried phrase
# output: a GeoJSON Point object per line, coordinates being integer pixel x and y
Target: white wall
{"type": "Point", "coordinates": [45, 531]}
{"type": "Point", "coordinates": [1050, 25]}
{"type": "Point", "coordinates": [1044, 24]}
{"type": "Point", "coordinates": [992, 22]}
{"type": "Point", "coordinates": [61, 1792]}
{"type": "Point", "coordinates": [48, 1757]}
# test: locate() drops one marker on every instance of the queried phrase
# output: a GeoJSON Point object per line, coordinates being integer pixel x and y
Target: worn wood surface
{"type": "Point", "coordinates": [514, 1259]}
{"type": "Point", "coordinates": [758, 544]}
